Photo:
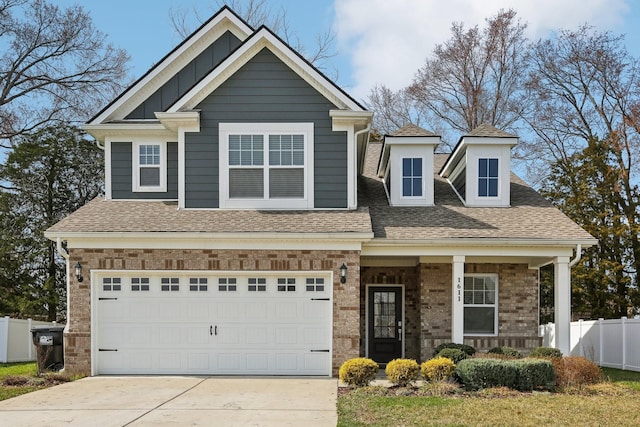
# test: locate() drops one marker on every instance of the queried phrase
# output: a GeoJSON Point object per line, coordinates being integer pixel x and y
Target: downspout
{"type": "Point", "coordinates": [65, 254]}
{"type": "Point", "coordinates": [100, 146]}
{"type": "Point", "coordinates": [578, 256]}
{"type": "Point", "coordinates": [355, 138]}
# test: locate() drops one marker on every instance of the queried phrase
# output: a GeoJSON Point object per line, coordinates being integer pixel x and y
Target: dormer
{"type": "Point", "coordinates": [406, 166]}
{"type": "Point", "coordinates": [479, 168]}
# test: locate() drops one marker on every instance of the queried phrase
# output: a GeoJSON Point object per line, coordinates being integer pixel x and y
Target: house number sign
{"type": "Point", "coordinates": [459, 287]}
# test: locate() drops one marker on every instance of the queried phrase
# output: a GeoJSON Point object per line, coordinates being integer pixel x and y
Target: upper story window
{"type": "Point", "coordinates": [267, 165]}
{"type": "Point", "coordinates": [149, 167]}
{"type": "Point", "coordinates": [487, 177]}
{"type": "Point", "coordinates": [412, 177]}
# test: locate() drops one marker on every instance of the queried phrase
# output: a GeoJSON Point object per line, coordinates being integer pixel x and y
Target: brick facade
{"type": "Point", "coordinates": [428, 305]}
{"type": "Point", "coordinates": [346, 297]}
{"type": "Point", "coordinates": [427, 291]}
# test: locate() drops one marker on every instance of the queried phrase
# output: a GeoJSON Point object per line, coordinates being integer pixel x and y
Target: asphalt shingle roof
{"type": "Point", "coordinates": [529, 217]}
{"type": "Point", "coordinates": [101, 215]}
{"type": "Point", "coordinates": [412, 130]}
{"type": "Point", "coordinates": [488, 130]}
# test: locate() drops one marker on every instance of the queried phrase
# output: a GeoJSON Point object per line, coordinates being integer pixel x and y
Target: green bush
{"type": "Point", "coordinates": [476, 374]}
{"type": "Point", "coordinates": [402, 372]}
{"type": "Point", "coordinates": [545, 352]}
{"type": "Point", "coordinates": [533, 374]}
{"type": "Point", "coordinates": [455, 354]}
{"type": "Point", "coordinates": [507, 351]}
{"type": "Point", "coordinates": [358, 372]}
{"type": "Point", "coordinates": [470, 351]}
{"type": "Point", "coordinates": [522, 374]}
{"type": "Point", "coordinates": [437, 369]}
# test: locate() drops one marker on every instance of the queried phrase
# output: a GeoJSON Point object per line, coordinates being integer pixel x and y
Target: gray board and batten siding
{"type": "Point", "coordinates": [122, 173]}
{"type": "Point", "coordinates": [186, 78]}
{"type": "Point", "coordinates": [265, 90]}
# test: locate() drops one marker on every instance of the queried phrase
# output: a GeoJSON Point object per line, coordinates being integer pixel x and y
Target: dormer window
{"type": "Point", "coordinates": [487, 177]}
{"type": "Point", "coordinates": [479, 168]}
{"type": "Point", "coordinates": [406, 166]}
{"type": "Point", "coordinates": [412, 177]}
{"type": "Point", "coordinates": [149, 166]}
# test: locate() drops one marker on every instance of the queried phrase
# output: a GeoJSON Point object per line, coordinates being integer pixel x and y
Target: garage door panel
{"type": "Point", "coordinates": [266, 332]}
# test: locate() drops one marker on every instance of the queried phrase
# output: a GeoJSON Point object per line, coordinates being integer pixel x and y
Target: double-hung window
{"type": "Point", "coordinates": [412, 177]}
{"type": "Point", "coordinates": [481, 304]}
{"type": "Point", "coordinates": [149, 166]}
{"type": "Point", "coordinates": [487, 177]}
{"type": "Point", "coordinates": [266, 165]}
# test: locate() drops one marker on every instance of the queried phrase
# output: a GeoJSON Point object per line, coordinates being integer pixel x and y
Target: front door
{"type": "Point", "coordinates": [385, 323]}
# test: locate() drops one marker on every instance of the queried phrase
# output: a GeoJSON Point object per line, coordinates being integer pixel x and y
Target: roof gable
{"type": "Point", "coordinates": [223, 22]}
{"type": "Point", "coordinates": [261, 39]}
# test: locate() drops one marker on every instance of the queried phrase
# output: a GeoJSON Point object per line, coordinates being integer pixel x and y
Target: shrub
{"type": "Point", "coordinates": [455, 354]}
{"type": "Point", "coordinates": [522, 374]}
{"type": "Point", "coordinates": [402, 372]}
{"type": "Point", "coordinates": [532, 374]}
{"type": "Point", "coordinates": [470, 351]}
{"type": "Point", "coordinates": [358, 372]}
{"type": "Point", "coordinates": [476, 374]}
{"type": "Point", "coordinates": [575, 372]}
{"type": "Point", "coordinates": [437, 369]}
{"type": "Point", "coordinates": [507, 351]}
{"type": "Point", "coordinates": [545, 352]}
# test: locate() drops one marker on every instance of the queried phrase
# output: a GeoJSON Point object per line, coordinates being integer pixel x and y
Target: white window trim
{"type": "Point", "coordinates": [394, 168]}
{"type": "Point", "coordinates": [478, 178]}
{"type": "Point", "coordinates": [422, 178]}
{"type": "Point", "coordinates": [495, 306]}
{"type": "Point", "coordinates": [135, 181]}
{"type": "Point", "coordinates": [226, 129]}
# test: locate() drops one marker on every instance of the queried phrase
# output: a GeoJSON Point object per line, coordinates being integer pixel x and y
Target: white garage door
{"type": "Point", "coordinates": [225, 324]}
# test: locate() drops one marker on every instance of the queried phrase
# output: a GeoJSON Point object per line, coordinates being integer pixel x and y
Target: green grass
{"type": "Point", "coordinates": [629, 379]}
{"type": "Point", "coordinates": [612, 403]}
{"type": "Point", "coordinates": [27, 369]}
{"type": "Point", "coordinates": [22, 368]}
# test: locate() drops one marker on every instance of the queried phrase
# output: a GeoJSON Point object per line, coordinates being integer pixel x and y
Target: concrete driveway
{"type": "Point", "coordinates": [158, 401]}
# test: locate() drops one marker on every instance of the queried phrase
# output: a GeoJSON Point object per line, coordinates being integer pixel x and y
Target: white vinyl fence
{"type": "Point", "coordinates": [16, 344]}
{"type": "Point", "coordinates": [612, 343]}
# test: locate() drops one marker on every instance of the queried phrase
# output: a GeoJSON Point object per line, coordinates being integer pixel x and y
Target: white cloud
{"type": "Point", "coordinates": [387, 41]}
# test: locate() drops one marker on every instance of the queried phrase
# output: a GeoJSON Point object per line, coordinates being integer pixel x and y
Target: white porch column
{"type": "Point", "coordinates": [562, 303]}
{"type": "Point", "coordinates": [457, 301]}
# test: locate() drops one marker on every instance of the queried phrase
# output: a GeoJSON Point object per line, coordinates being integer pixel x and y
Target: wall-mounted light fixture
{"type": "Point", "coordinates": [78, 271]}
{"type": "Point", "coordinates": [343, 273]}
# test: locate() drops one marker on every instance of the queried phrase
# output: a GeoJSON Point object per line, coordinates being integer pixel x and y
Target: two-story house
{"type": "Point", "coordinates": [249, 226]}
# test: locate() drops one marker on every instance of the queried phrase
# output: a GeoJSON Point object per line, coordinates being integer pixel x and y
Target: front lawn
{"type": "Point", "coordinates": [608, 404]}
{"type": "Point", "coordinates": [21, 378]}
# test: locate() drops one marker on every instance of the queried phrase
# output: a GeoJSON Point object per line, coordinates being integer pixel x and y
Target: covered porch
{"type": "Point", "coordinates": [413, 298]}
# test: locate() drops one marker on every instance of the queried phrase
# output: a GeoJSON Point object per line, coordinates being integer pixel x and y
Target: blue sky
{"type": "Point", "coordinates": [378, 41]}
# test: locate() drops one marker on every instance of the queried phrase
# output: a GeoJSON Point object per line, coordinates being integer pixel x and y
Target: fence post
{"type": "Point", "coordinates": [600, 339]}
{"type": "Point", "coordinates": [30, 344]}
{"type": "Point", "coordinates": [580, 338]}
{"type": "Point", "coordinates": [4, 346]}
{"type": "Point", "coordinates": [623, 324]}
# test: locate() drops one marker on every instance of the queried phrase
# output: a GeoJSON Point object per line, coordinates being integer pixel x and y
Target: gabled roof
{"type": "Point", "coordinates": [490, 131]}
{"type": "Point", "coordinates": [412, 130]}
{"type": "Point", "coordinates": [482, 131]}
{"type": "Point", "coordinates": [265, 38]}
{"type": "Point", "coordinates": [252, 42]}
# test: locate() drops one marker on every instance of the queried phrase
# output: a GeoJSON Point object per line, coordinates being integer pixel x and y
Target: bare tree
{"type": "Point", "coordinates": [257, 13]}
{"type": "Point", "coordinates": [476, 76]}
{"type": "Point", "coordinates": [586, 89]}
{"type": "Point", "coordinates": [55, 65]}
